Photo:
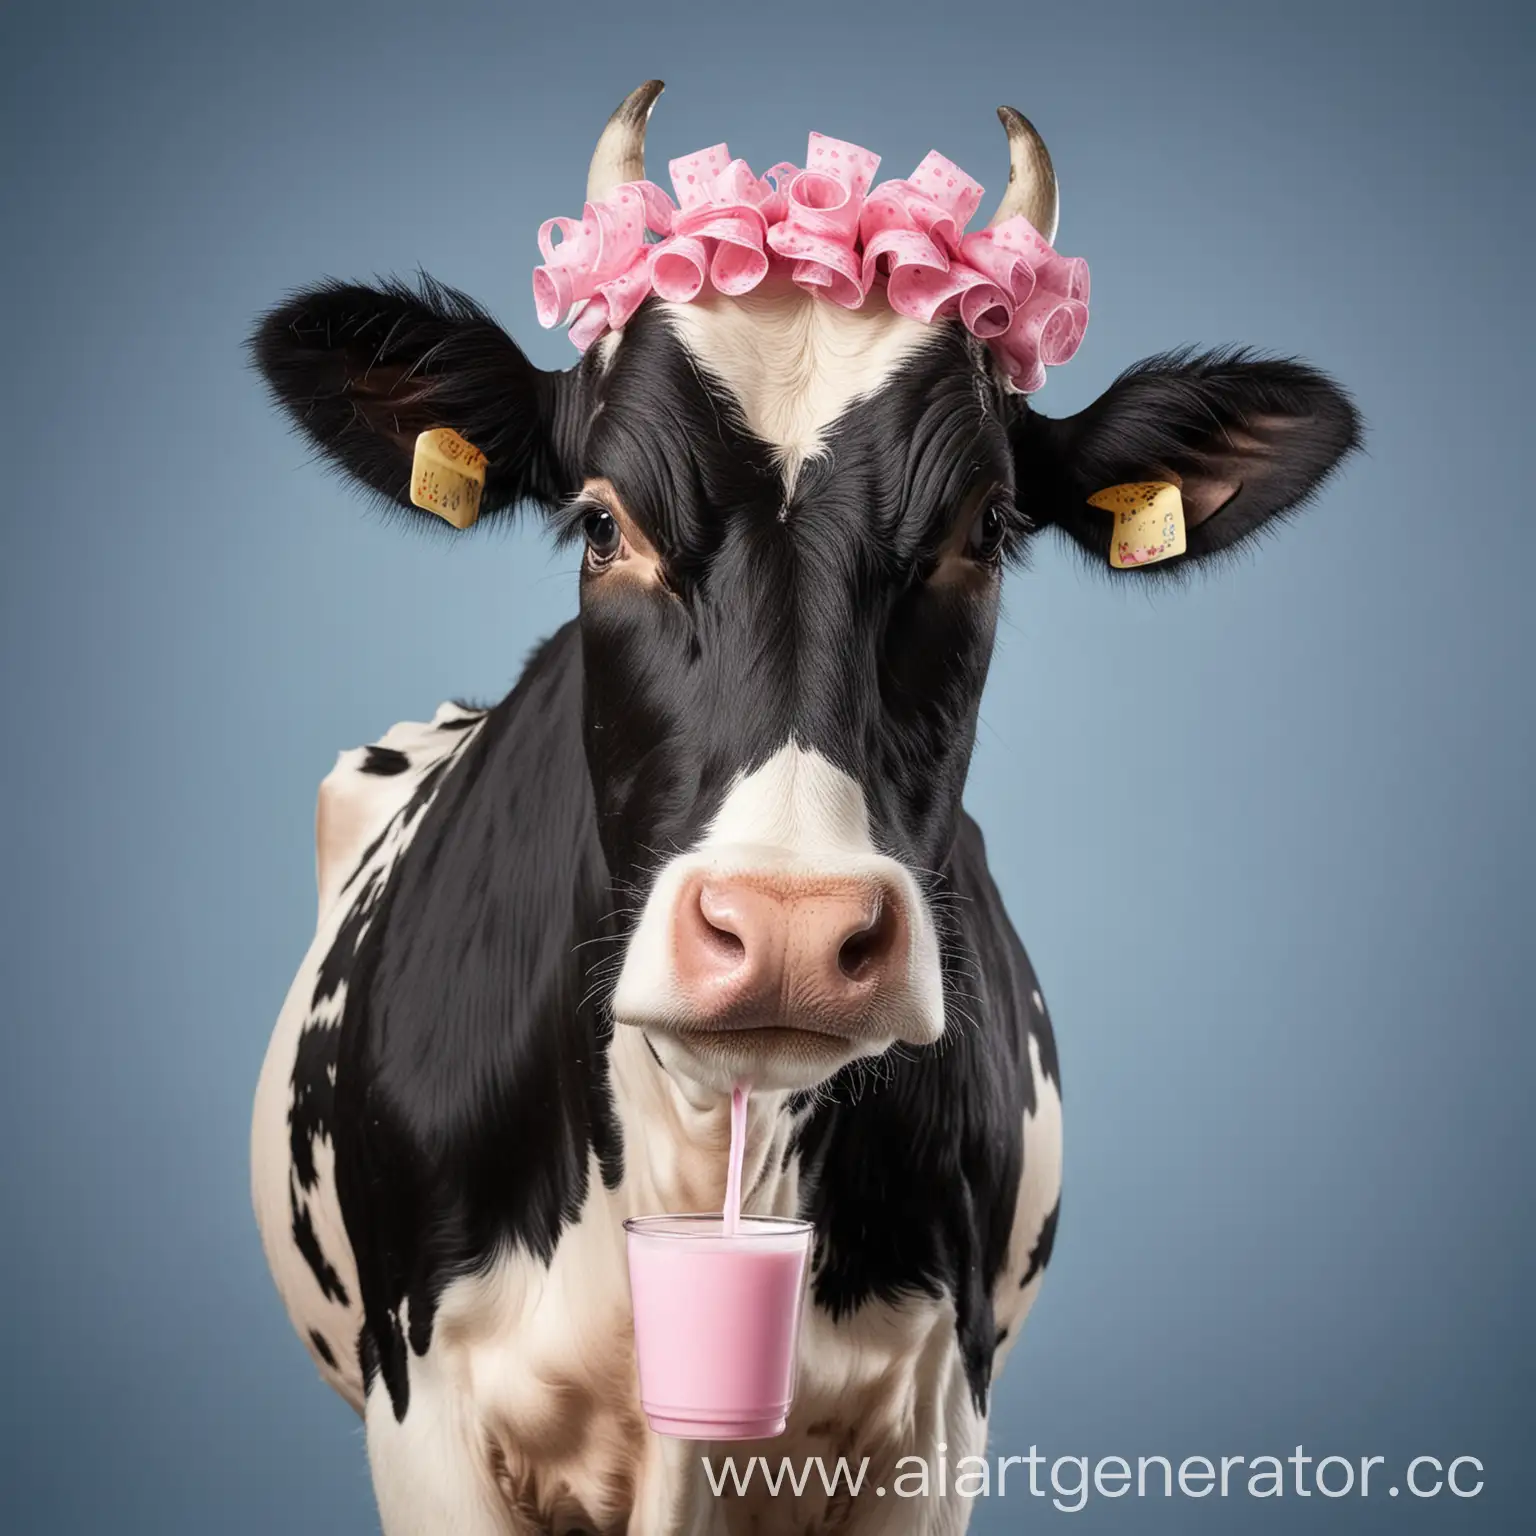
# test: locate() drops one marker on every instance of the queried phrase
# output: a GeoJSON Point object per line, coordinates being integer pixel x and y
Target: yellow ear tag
{"type": "Point", "coordinates": [448, 476]}
{"type": "Point", "coordinates": [1149, 522]}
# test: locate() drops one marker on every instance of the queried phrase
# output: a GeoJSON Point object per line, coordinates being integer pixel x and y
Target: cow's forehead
{"type": "Point", "coordinates": [742, 408]}
{"type": "Point", "coordinates": [794, 362]}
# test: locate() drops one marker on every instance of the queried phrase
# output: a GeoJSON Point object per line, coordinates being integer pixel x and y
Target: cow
{"type": "Point", "coordinates": [715, 833]}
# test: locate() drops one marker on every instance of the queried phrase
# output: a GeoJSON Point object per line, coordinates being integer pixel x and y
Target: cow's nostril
{"type": "Point", "coordinates": [726, 944]}
{"type": "Point", "coordinates": [719, 924]}
{"type": "Point", "coordinates": [862, 953]}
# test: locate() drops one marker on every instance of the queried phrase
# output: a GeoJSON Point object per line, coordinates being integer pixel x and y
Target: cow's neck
{"type": "Point", "coordinates": [677, 1138]}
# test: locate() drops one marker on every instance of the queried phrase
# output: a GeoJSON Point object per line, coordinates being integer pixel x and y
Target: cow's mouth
{"type": "Point", "coordinates": [766, 1039]}
{"type": "Point", "coordinates": [773, 1056]}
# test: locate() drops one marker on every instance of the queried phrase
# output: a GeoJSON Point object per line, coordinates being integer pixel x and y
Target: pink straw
{"type": "Point", "coordinates": [732, 1214]}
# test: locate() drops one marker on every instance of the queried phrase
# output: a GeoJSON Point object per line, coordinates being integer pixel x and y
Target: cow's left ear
{"type": "Point", "coordinates": [1246, 439]}
{"type": "Point", "coordinates": [363, 370]}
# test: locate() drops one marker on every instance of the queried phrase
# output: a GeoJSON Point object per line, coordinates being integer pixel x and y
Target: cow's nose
{"type": "Point", "coordinates": [809, 952]}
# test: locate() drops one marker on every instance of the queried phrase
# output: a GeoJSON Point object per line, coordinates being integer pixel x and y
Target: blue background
{"type": "Point", "coordinates": [1269, 838]}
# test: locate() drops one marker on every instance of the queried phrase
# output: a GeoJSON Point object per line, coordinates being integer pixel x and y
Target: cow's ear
{"type": "Point", "coordinates": [363, 371]}
{"type": "Point", "coordinates": [1246, 439]}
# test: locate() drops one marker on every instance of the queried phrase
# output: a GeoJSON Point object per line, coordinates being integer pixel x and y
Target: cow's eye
{"type": "Point", "coordinates": [987, 533]}
{"type": "Point", "coordinates": [602, 536]}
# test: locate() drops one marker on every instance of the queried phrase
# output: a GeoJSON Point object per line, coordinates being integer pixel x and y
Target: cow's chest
{"type": "Point", "coordinates": [546, 1354]}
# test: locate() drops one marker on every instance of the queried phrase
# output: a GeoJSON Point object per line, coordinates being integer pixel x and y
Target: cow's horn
{"type": "Point", "coordinates": [620, 152]}
{"type": "Point", "coordinates": [1031, 186]}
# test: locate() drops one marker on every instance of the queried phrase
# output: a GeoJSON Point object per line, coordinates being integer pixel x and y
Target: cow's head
{"type": "Point", "coordinates": [794, 520]}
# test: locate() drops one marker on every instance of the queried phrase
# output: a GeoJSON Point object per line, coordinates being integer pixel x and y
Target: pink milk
{"type": "Point", "coordinates": [717, 1318]}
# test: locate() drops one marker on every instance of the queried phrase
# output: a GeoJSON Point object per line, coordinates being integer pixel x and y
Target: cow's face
{"type": "Point", "coordinates": [794, 521]}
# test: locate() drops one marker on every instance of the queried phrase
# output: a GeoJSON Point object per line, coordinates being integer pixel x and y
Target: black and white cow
{"type": "Point", "coordinates": [714, 832]}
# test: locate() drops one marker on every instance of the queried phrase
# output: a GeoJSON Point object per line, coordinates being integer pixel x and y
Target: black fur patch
{"type": "Point", "coordinates": [384, 761]}
{"type": "Point", "coordinates": [311, 1115]}
{"type": "Point", "coordinates": [367, 1357]}
{"type": "Point", "coordinates": [304, 1239]}
{"type": "Point", "coordinates": [336, 967]}
{"type": "Point", "coordinates": [913, 1183]}
{"type": "Point", "coordinates": [317, 1339]}
{"type": "Point", "coordinates": [1045, 1245]}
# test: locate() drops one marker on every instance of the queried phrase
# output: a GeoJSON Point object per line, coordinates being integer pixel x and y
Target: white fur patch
{"type": "Point", "coordinates": [430, 1471]}
{"type": "Point", "coordinates": [795, 362]}
{"type": "Point", "coordinates": [354, 806]}
{"type": "Point", "coordinates": [1039, 1191]}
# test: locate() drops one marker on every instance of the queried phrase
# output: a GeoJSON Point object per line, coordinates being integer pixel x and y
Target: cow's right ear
{"type": "Point", "coordinates": [363, 371]}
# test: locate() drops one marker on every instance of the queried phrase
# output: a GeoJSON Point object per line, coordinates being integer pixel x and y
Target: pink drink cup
{"type": "Point", "coordinates": [717, 1320]}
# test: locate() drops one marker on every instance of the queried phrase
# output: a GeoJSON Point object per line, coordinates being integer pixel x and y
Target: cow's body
{"type": "Point", "coordinates": [714, 836]}
{"type": "Point", "coordinates": [934, 1185]}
